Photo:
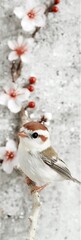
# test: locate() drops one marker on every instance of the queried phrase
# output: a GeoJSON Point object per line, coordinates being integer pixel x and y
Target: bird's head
{"type": "Point", "coordinates": [35, 136]}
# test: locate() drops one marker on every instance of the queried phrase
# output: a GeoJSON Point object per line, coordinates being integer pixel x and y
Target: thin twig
{"type": "Point", "coordinates": [43, 119]}
{"type": "Point", "coordinates": [36, 30]}
{"type": "Point", "coordinates": [47, 10]}
{"type": "Point", "coordinates": [16, 70]}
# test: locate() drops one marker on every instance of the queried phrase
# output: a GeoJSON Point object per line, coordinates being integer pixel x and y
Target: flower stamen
{"type": "Point", "coordinates": [9, 155]}
{"type": "Point", "coordinates": [20, 50]}
{"type": "Point", "coordinates": [13, 93]}
{"type": "Point", "coordinates": [31, 14]}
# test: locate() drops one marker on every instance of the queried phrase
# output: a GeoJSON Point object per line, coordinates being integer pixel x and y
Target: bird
{"type": "Point", "coordinates": [37, 158]}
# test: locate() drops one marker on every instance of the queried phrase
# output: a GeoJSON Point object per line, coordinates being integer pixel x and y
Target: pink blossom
{"type": "Point", "coordinates": [32, 15]}
{"type": "Point", "coordinates": [20, 49]}
{"type": "Point", "coordinates": [13, 97]}
{"type": "Point", "coordinates": [9, 156]}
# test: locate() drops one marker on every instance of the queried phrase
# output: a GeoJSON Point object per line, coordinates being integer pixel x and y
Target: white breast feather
{"type": "Point", "coordinates": [34, 167]}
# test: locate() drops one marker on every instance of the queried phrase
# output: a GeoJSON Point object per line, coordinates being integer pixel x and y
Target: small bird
{"type": "Point", "coordinates": [37, 159]}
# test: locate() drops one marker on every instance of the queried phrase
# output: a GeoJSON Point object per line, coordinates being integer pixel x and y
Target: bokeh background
{"type": "Point", "coordinates": [56, 64]}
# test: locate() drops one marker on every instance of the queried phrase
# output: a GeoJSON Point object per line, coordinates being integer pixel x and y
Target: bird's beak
{"type": "Point", "coordinates": [22, 134]}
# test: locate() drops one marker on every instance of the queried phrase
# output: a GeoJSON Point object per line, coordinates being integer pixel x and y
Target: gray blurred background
{"type": "Point", "coordinates": [56, 64]}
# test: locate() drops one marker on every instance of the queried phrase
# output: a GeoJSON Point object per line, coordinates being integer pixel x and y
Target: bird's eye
{"type": "Point", "coordinates": [35, 135]}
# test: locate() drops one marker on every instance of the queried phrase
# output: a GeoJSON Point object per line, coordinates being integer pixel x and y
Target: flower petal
{"type": "Point", "coordinates": [13, 56]}
{"type": "Point", "coordinates": [20, 40]}
{"type": "Point", "coordinates": [27, 25]}
{"type": "Point", "coordinates": [4, 99]}
{"type": "Point", "coordinates": [40, 9]}
{"type": "Point", "coordinates": [11, 145]}
{"type": "Point", "coordinates": [40, 21]}
{"type": "Point", "coordinates": [8, 89]}
{"type": "Point", "coordinates": [2, 152]}
{"type": "Point", "coordinates": [7, 166]}
{"type": "Point", "coordinates": [12, 44]}
{"type": "Point", "coordinates": [29, 42]}
{"type": "Point", "coordinates": [19, 12]}
{"type": "Point", "coordinates": [13, 106]}
{"type": "Point", "coordinates": [15, 161]}
{"type": "Point", "coordinates": [9, 86]}
{"type": "Point", "coordinates": [48, 115]}
{"type": "Point", "coordinates": [47, 123]}
{"type": "Point", "coordinates": [25, 58]}
{"type": "Point", "coordinates": [24, 95]}
{"type": "Point", "coordinates": [30, 4]}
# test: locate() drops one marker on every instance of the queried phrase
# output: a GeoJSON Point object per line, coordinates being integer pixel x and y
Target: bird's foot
{"type": "Point", "coordinates": [28, 181]}
{"type": "Point", "coordinates": [38, 188]}
{"type": "Point", "coordinates": [34, 187]}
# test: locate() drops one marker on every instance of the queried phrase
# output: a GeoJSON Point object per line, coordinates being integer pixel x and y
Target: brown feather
{"type": "Point", "coordinates": [49, 152]}
{"type": "Point", "coordinates": [34, 126]}
{"type": "Point", "coordinates": [43, 138]}
{"type": "Point", "coordinates": [55, 163]}
{"type": "Point", "coordinates": [50, 157]}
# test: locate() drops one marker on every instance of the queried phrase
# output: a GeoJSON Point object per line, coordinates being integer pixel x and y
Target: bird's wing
{"type": "Point", "coordinates": [57, 164]}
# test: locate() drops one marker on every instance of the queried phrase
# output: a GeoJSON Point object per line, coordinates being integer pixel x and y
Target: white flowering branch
{"type": "Point", "coordinates": [33, 17]}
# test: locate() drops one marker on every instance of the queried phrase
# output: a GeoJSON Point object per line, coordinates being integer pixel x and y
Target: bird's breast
{"type": "Point", "coordinates": [33, 166]}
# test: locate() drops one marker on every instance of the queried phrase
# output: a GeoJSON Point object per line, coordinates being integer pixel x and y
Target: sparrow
{"type": "Point", "coordinates": [37, 159]}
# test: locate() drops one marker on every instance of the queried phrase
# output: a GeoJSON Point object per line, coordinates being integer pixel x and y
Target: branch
{"type": "Point", "coordinates": [35, 213]}
{"type": "Point", "coordinates": [43, 119]}
{"type": "Point", "coordinates": [35, 196]}
{"type": "Point", "coordinates": [16, 70]}
{"type": "Point", "coordinates": [47, 10]}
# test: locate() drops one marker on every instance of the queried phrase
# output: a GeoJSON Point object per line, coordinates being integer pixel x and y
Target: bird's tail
{"type": "Point", "coordinates": [76, 180]}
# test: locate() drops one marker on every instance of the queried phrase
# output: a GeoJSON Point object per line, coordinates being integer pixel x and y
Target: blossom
{"type": "Point", "coordinates": [32, 15]}
{"type": "Point", "coordinates": [46, 117]}
{"type": "Point", "coordinates": [13, 97]}
{"type": "Point", "coordinates": [9, 156]}
{"type": "Point", "coordinates": [20, 49]}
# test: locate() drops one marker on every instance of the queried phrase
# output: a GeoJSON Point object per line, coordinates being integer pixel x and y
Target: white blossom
{"type": "Point", "coordinates": [20, 49]}
{"type": "Point", "coordinates": [48, 115]}
{"type": "Point", "coordinates": [32, 116]}
{"type": "Point", "coordinates": [9, 156]}
{"type": "Point", "coordinates": [13, 97]}
{"type": "Point", "coordinates": [32, 15]}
